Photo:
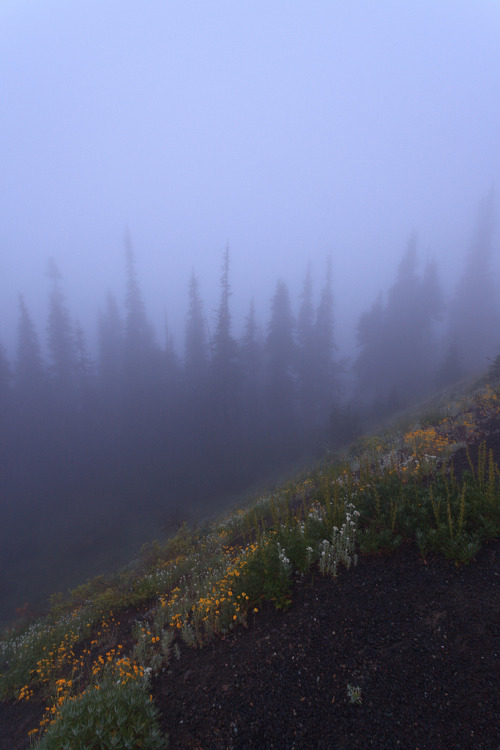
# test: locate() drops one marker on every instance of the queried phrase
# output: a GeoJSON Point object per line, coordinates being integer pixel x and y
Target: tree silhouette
{"type": "Point", "coordinates": [196, 355]}
{"type": "Point", "coordinates": [370, 365]}
{"type": "Point", "coordinates": [5, 380]}
{"type": "Point", "coordinates": [224, 366]}
{"type": "Point", "coordinates": [280, 361]}
{"type": "Point", "coordinates": [61, 340]}
{"type": "Point", "coordinates": [30, 378]}
{"type": "Point", "coordinates": [110, 344]}
{"type": "Point", "coordinates": [306, 353]}
{"type": "Point", "coordinates": [474, 320]}
{"type": "Point", "coordinates": [251, 368]}
{"type": "Point", "coordinates": [84, 371]}
{"type": "Point", "coordinates": [194, 429]}
{"type": "Point", "coordinates": [397, 357]}
{"type": "Point", "coordinates": [6, 416]}
{"type": "Point", "coordinates": [138, 344]}
{"type": "Point", "coordinates": [317, 377]}
{"type": "Point", "coordinates": [326, 381]}
{"type": "Point", "coordinates": [34, 425]}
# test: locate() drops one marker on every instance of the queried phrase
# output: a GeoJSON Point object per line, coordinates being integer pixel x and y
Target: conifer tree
{"type": "Point", "coordinates": [5, 382]}
{"type": "Point", "coordinates": [371, 363]}
{"type": "Point", "coordinates": [280, 361]}
{"type": "Point", "coordinates": [326, 381]}
{"type": "Point", "coordinates": [7, 416]}
{"type": "Point", "coordinates": [397, 357]}
{"type": "Point", "coordinates": [84, 366]}
{"type": "Point", "coordinates": [317, 376]}
{"type": "Point", "coordinates": [110, 343]}
{"type": "Point", "coordinates": [171, 361]}
{"type": "Point", "coordinates": [306, 350]}
{"type": "Point", "coordinates": [474, 319]}
{"type": "Point", "coordinates": [30, 377]}
{"type": "Point", "coordinates": [111, 391]}
{"type": "Point", "coordinates": [34, 425]}
{"type": "Point", "coordinates": [142, 378]}
{"type": "Point", "coordinates": [194, 430]}
{"type": "Point", "coordinates": [196, 355]}
{"type": "Point", "coordinates": [251, 364]}
{"type": "Point", "coordinates": [61, 340]}
{"type": "Point", "coordinates": [224, 374]}
{"type": "Point", "coordinates": [139, 344]}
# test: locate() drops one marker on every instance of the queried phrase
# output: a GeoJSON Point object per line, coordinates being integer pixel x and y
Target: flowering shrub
{"type": "Point", "coordinates": [341, 548]}
{"type": "Point", "coordinates": [106, 715]}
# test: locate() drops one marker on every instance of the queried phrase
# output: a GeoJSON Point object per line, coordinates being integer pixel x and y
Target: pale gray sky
{"type": "Point", "coordinates": [286, 129]}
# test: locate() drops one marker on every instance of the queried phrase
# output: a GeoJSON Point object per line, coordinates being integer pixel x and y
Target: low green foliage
{"type": "Point", "coordinates": [354, 694]}
{"type": "Point", "coordinates": [106, 716]}
{"type": "Point", "coordinates": [268, 575]}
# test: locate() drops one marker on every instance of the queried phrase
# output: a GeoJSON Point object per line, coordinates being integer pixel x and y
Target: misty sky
{"type": "Point", "coordinates": [287, 129]}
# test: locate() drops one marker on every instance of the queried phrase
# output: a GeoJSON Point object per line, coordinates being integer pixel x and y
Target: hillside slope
{"type": "Point", "coordinates": [336, 613]}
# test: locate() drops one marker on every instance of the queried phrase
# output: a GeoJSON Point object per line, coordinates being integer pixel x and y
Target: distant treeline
{"type": "Point", "coordinates": [144, 421]}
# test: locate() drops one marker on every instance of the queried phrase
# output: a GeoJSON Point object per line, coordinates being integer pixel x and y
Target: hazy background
{"type": "Point", "coordinates": [286, 129]}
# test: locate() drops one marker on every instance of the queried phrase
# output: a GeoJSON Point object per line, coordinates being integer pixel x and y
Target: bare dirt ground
{"type": "Point", "coordinates": [421, 641]}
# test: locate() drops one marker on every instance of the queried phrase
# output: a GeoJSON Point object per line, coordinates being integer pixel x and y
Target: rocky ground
{"type": "Point", "coordinates": [420, 641]}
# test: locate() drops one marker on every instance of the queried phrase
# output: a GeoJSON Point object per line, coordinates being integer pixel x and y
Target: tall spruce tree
{"type": "Point", "coordinates": [61, 340]}
{"type": "Point", "coordinates": [110, 346]}
{"type": "Point", "coordinates": [30, 376]}
{"type": "Point", "coordinates": [306, 351]}
{"type": "Point", "coordinates": [251, 367]}
{"type": "Point", "coordinates": [431, 313]}
{"type": "Point", "coordinates": [34, 424]}
{"type": "Point", "coordinates": [194, 431]}
{"type": "Point", "coordinates": [171, 364]}
{"type": "Point", "coordinates": [111, 393]}
{"type": "Point", "coordinates": [406, 332]}
{"type": "Point", "coordinates": [7, 416]}
{"type": "Point", "coordinates": [139, 342]}
{"type": "Point", "coordinates": [317, 376]}
{"type": "Point", "coordinates": [224, 370]}
{"type": "Point", "coordinates": [474, 319]}
{"type": "Point", "coordinates": [196, 353]}
{"type": "Point", "coordinates": [142, 368]}
{"type": "Point", "coordinates": [397, 357]}
{"type": "Point", "coordinates": [370, 365]}
{"type": "Point", "coordinates": [326, 381]}
{"type": "Point", "coordinates": [280, 368]}
{"type": "Point", "coordinates": [84, 370]}
{"type": "Point", "coordinates": [5, 380]}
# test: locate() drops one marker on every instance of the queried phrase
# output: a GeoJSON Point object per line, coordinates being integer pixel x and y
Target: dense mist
{"type": "Point", "coordinates": [93, 441]}
{"type": "Point", "coordinates": [232, 238]}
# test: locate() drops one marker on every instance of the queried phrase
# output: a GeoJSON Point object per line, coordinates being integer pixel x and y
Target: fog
{"type": "Point", "coordinates": [361, 137]}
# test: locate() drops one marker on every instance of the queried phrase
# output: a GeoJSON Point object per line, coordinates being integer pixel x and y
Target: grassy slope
{"type": "Point", "coordinates": [204, 582]}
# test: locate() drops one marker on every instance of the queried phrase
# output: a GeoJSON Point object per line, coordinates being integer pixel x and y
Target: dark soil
{"type": "Point", "coordinates": [422, 641]}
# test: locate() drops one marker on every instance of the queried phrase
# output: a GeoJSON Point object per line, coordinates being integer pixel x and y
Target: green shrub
{"type": "Point", "coordinates": [268, 575]}
{"type": "Point", "coordinates": [106, 716]}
